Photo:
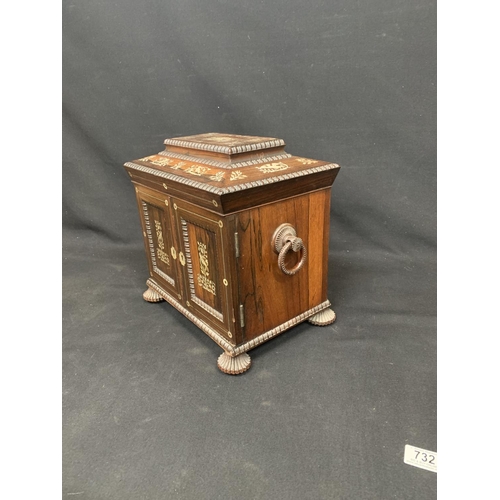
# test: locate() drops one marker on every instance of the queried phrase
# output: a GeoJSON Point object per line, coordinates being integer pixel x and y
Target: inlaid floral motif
{"type": "Point", "coordinates": [272, 167]}
{"type": "Point", "coordinates": [158, 160]}
{"type": "Point", "coordinates": [306, 161]}
{"type": "Point", "coordinates": [237, 174]}
{"type": "Point", "coordinates": [161, 244]}
{"type": "Point", "coordinates": [197, 170]}
{"type": "Point", "coordinates": [162, 162]}
{"type": "Point", "coordinates": [204, 277]}
{"type": "Point", "coordinates": [219, 176]}
{"type": "Point", "coordinates": [178, 165]}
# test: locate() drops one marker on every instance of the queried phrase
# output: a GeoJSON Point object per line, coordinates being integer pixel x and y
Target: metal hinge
{"type": "Point", "coordinates": [242, 316]}
{"type": "Point", "coordinates": [236, 245]}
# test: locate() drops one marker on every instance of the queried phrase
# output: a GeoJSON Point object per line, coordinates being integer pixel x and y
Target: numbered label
{"type": "Point", "coordinates": [419, 457]}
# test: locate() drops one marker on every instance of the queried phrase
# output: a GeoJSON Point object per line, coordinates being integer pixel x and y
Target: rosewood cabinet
{"type": "Point", "coordinates": [236, 233]}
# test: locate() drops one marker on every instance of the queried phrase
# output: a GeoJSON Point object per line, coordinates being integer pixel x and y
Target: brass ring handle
{"type": "Point", "coordinates": [285, 239]}
{"type": "Point", "coordinates": [281, 257]}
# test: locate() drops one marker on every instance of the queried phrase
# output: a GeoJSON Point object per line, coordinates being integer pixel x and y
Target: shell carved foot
{"type": "Point", "coordinates": [151, 295]}
{"type": "Point", "coordinates": [234, 365]}
{"type": "Point", "coordinates": [323, 318]}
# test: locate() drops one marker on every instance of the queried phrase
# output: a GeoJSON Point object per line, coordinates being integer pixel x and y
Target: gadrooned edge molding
{"type": "Point", "coordinates": [176, 178]}
{"type": "Point", "coordinates": [214, 335]}
{"type": "Point", "coordinates": [221, 341]}
{"type": "Point", "coordinates": [229, 189]}
{"type": "Point", "coordinates": [227, 166]}
{"type": "Point", "coordinates": [280, 329]}
{"type": "Point", "coordinates": [217, 148]}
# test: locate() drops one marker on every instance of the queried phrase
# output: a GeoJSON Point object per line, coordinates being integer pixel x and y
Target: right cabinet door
{"type": "Point", "coordinates": [205, 266]}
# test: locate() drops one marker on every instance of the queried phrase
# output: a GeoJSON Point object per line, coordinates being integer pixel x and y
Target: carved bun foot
{"type": "Point", "coordinates": [151, 295]}
{"type": "Point", "coordinates": [234, 366]}
{"type": "Point", "coordinates": [323, 318]}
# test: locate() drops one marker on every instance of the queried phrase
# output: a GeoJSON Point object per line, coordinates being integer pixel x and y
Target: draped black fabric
{"type": "Point", "coordinates": [324, 413]}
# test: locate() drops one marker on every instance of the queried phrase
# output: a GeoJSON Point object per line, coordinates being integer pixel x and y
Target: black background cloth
{"type": "Point", "coordinates": [324, 413]}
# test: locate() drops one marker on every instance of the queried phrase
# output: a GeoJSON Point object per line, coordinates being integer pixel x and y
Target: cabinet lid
{"type": "Point", "coordinates": [225, 147]}
{"type": "Point", "coordinates": [225, 163]}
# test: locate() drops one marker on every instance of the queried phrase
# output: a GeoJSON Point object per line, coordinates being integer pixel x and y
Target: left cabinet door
{"type": "Point", "coordinates": [159, 234]}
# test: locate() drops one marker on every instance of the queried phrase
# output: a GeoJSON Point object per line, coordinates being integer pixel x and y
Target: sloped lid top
{"type": "Point", "coordinates": [217, 175]}
{"type": "Point", "coordinates": [222, 144]}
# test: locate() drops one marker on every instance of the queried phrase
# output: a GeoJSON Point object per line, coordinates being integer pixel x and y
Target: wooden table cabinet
{"type": "Point", "coordinates": [236, 233]}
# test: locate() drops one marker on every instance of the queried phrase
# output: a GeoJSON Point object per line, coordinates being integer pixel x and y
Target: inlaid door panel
{"type": "Point", "coordinates": [203, 258]}
{"type": "Point", "coordinates": [159, 240]}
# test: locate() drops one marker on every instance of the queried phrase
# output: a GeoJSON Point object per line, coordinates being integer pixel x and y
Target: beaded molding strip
{"type": "Point", "coordinates": [214, 335]}
{"type": "Point", "coordinates": [217, 148]}
{"type": "Point", "coordinates": [221, 341]}
{"type": "Point", "coordinates": [280, 329]}
{"type": "Point", "coordinates": [230, 189]}
{"type": "Point", "coordinates": [219, 164]}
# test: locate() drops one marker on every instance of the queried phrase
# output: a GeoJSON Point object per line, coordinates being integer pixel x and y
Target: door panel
{"type": "Point", "coordinates": [201, 265]}
{"type": "Point", "coordinates": [157, 226]}
{"type": "Point", "coordinates": [201, 234]}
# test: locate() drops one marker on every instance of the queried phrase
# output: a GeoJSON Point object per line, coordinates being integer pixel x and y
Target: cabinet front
{"type": "Point", "coordinates": [204, 262]}
{"type": "Point", "coordinates": [159, 240]}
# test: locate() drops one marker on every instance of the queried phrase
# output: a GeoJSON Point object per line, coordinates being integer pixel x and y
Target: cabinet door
{"type": "Point", "coordinates": [158, 235]}
{"type": "Point", "coordinates": [201, 234]}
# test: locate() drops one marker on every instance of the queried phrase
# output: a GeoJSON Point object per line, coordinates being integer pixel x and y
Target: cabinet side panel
{"type": "Point", "coordinates": [270, 297]}
{"type": "Point", "coordinates": [326, 242]}
{"type": "Point", "coordinates": [319, 224]}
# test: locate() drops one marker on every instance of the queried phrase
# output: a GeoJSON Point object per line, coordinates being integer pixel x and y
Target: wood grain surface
{"type": "Point", "coordinates": [269, 296]}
